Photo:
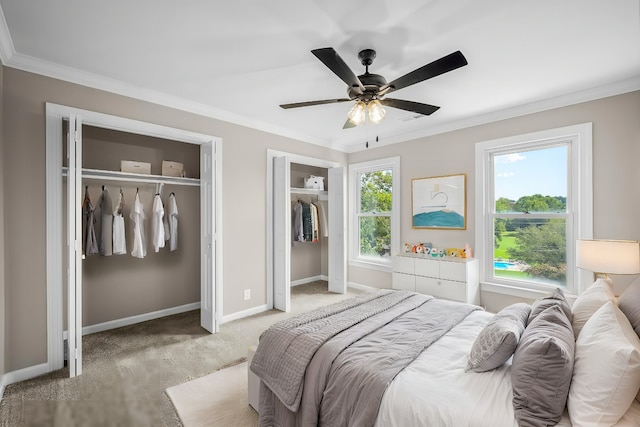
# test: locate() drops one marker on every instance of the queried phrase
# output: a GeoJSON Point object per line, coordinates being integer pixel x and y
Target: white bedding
{"type": "Point", "coordinates": [434, 390]}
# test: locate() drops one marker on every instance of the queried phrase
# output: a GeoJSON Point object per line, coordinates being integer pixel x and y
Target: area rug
{"type": "Point", "coordinates": [217, 399]}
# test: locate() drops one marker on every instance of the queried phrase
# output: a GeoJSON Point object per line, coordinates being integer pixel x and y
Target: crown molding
{"type": "Point", "coordinates": [7, 50]}
{"type": "Point", "coordinates": [11, 58]}
{"type": "Point", "coordinates": [96, 81]}
{"type": "Point", "coordinates": [617, 88]}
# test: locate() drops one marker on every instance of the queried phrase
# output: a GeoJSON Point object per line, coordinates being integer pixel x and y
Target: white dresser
{"type": "Point", "coordinates": [450, 278]}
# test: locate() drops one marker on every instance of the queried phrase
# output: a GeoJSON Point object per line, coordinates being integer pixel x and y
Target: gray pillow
{"type": "Point", "coordinates": [542, 368]}
{"type": "Point", "coordinates": [497, 341]}
{"type": "Point", "coordinates": [629, 304]}
{"type": "Point", "coordinates": [556, 298]}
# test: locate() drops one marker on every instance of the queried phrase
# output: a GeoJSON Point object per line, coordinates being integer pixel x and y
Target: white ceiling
{"type": "Point", "coordinates": [237, 61]}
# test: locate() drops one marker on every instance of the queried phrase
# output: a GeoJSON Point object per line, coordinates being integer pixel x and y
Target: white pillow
{"type": "Point", "coordinates": [606, 373]}
{"type": "Point", "coordinates": [589, 302]}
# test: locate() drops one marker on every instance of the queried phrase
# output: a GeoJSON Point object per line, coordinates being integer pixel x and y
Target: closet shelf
{"type": "Point", "coordinates": [134, 177]}
{"type": "Point", "coordinates": [308, 191]}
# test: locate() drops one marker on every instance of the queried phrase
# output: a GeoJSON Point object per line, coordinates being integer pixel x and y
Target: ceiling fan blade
{"type": "Point", "coordinates": [334, 62]}
{"type": "Point", "coordinates": [416, 107]}
{"type": "Point", "coordinates": [348, 124]}
{"type": "Point", "coordinates": [437, 67]}
{"type": "Point", "coordinates": [310, 103]}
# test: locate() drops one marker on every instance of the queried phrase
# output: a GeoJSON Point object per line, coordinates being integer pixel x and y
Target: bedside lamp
{"type": "Point", "coordinates": [605, 257]}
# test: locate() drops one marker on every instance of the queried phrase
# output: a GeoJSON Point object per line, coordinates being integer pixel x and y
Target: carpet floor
{"type": "Point", "coordinates": [126, 370]}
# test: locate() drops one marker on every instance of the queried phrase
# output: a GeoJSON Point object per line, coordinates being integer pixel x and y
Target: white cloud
{"type": "Point", "coordinates": [509, 158]}
{"type": "Point", "coordinates": [505, 174]}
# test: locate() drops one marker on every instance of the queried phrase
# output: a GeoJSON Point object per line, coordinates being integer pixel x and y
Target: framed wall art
{"type": "Point", "coordinates": [439, 202]}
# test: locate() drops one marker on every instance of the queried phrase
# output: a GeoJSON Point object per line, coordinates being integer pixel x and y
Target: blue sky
{"type": "Point", "coordinates": [531, 172]}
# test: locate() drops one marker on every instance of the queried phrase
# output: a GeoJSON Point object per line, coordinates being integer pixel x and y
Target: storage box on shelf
{"type": "Point", "coordinates": [450, 278]}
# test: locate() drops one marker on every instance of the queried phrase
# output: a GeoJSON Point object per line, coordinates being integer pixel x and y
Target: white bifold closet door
{"type": "Point", "coordinates": [337, 230]}
{"type": "Point", "coordinates": [208, 211]}
{"type": "Point", "coordinates": [281, 234]}
{"type": "Point", "coordinates": [74, 226]}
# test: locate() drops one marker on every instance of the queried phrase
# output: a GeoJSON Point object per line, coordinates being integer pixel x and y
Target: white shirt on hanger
{"type": "Point", "coordinates": [119, 241]}
{"type": "Point", "coordinates": [173, 222]}
{"type": "Point", "coordinates": [157, 228]}
{"type": "Point", "coordinates": [137, 215]}
{"type": "Point", "coordinates": [172, 210]}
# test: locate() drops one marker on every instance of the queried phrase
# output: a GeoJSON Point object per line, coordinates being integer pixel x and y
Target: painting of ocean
{"type": "Point", "coordinates": [441, 218]}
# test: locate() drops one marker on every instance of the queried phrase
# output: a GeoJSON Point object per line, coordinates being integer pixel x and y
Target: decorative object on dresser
{"type": "Point", "coordinates": [439, 202]}
{"type": "Point", "coordinates": [443, 277]}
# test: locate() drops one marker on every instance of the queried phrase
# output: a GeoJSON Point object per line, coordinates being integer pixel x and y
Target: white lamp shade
{"type": "Point", "coordinates": [608, 256]}
{"type": "Point", "coordinates": [357, 114]}
{"type": "Point", "coordinates": [376, 111]}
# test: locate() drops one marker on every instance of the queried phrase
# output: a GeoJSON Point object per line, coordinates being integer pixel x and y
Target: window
{"type": "Point", "coordinates": [374, 202]}
{"type": "Point", "coordinates": [533, 200]}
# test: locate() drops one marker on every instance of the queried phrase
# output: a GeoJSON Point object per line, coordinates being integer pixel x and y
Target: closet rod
{"type": "Point", "coordinates": [134, 177]}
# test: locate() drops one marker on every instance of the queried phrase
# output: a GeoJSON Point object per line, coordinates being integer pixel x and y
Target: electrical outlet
{"type": "Point", "coordinates": [247, 294]}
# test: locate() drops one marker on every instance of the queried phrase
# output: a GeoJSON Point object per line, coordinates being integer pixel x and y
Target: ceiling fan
{"type": "Point", "coordinates": [370, 90]}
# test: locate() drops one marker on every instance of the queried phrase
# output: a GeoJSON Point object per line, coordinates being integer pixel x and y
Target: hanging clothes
{"type": "Point", "coordinates": [139, 242]}
{"type": "Point", "coordinates": [322, 214]}
{"type": "Point", "coordinates": [157, 227]}
{"type": "Point", "coordinates": [306, 222]}
{"type": "Point", "coordinates": [105, 235]}
{"type": "Point", "coordinates": [89, 242]}
{"type": "Point", "coordinates": [119, 242]}
{"type": "Point", "coordinates": [171, 219]}
{"type": "Point", "coordinates": [313, 211]}
{"type": "Point", "coordinates": [298, 233]}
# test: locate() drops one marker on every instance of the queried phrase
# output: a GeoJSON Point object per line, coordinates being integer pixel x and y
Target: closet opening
{"type": "Point", "coordinates": [99, 279]}
{"type": "Point", "coordinates": [309, 213]}
{"type": "Point", "coordinates": [119, 289]}
{"type": "Point", "coordinates": [294, 260]}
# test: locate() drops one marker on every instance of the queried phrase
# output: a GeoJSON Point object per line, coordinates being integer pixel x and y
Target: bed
{"type": "Point", "coordinates": [397, 358]}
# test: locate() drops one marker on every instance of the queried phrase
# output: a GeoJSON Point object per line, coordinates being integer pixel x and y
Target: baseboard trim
{"type": "Point", "coordinates": [308, 280]}
{"type": "Point", "coordinates": [132, 320]}
{"type": "Point", "coordinates": [261, 308]}
{"type": "Point", "coordinates": [244, 313]}
{"type": "Point", "coordinates": [362, 287]}
{"type": "Point", "coordinates": [22, 375]}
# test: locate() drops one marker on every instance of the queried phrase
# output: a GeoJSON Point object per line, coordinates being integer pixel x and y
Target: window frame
{"type": "Point", "coordinates": [355, 170]}
{"type": "Point", "coordinates": [578, 216]}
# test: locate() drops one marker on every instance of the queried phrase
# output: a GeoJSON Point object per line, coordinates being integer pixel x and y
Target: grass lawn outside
{"type": "Point", "coordinates": [508, 241]}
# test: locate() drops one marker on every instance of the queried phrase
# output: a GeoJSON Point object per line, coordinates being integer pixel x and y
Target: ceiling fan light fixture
{"type": "Point", "coordinates": [357, 114]}
{"type": "Point", "coordinates": [376, 111]}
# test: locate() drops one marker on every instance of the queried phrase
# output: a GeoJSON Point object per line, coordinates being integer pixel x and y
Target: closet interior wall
{"type": "Point", "coordinates": [308, 260]}
{"type": "Point", "coordinates": [121, 286]}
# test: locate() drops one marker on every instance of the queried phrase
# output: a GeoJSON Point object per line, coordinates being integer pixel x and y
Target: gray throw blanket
{"type": "Point", "coordinates": [349, 371]}
{"type": "Point", "coordinates": [286, 348]}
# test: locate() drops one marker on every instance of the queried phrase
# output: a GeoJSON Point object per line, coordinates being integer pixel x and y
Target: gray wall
{"type": "Point", "coordinates": [616, 175]}
{"type": "Point", "coordinates": [244, 154]}
{"type": "Point", "coordinates": [120, 286]}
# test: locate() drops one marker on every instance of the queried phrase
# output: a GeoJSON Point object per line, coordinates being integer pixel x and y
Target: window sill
{"type": "Point", "coordinates": [385, 267]}
{"type": "Point", "coordinates": [519, 291]}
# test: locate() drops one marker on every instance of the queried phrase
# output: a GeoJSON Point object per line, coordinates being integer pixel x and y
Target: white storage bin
{"type": "Point", "coordinates": [314, 182]}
